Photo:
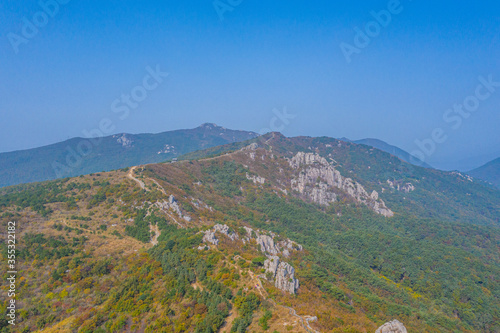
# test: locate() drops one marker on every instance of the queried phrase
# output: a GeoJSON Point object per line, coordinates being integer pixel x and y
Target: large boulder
{"type": "Point", "coordinates": [392, 327]}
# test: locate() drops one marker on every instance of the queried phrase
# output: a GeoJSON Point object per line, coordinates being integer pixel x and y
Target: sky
{"type": "Point", "coordinates": [421, 75]}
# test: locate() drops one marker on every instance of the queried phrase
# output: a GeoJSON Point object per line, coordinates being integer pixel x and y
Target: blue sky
{"type": "Point", "coordinates": [259, 57]}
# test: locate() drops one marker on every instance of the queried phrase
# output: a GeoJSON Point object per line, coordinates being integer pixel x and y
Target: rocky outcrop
{"type": "Point", "coordinates": [287, 246]}
{"type": "Point", "coordinates": [392, 327]}
{"type": "Point", "coordinates": [125, 141]}
{"type": "Point", "coordinates": [251, 146]}
{"type": "Point", "coordinates": [269, 246]}
{"type": "Point", "coordinates": [400, 186]}
{"type": "Point", "coordinates": [266, 244]}
{"type": "Point", "coordinates": [318, 179]}
{"type": "Point", "coordinates": [271, 264]}
{"type": "Point", "coordinates": [285, 279]}
{"type": "Point", "coordinates": [173, 205]}
{"type": "Point", "coordinates": [463, 176]}
{"type": "Point", "coordinates": [198, 204]}
{"type": "Point", "coordinates": [282, 273]}
{"type": "Point", "coordinates": [167, 149]}
{"type": "Point", "coordinates": [210, 236]}
{"type": "Point", "coordinates": [251, 150]}
{"type": "Point", "coordinates": [256, 179]}
{"type": "Point", "coordinates": [408, 187]}
{"type": "Point", "coordinates": [225, 230]}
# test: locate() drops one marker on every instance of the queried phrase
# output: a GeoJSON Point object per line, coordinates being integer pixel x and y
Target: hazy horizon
{"type": "Point", "coordinates": [466, 163]}
{"type": "Point", "coordinates": [241, 65]}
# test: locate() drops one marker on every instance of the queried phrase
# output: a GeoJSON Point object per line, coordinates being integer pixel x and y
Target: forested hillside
{"type": "Point", "coordinates": [490, 172]}
{"type": "Point", "coordinates": [80, 156]}
{"type": "Point", "coordinates": [393, 150]}
{"type": "Point", "coordinates": [272, 235]}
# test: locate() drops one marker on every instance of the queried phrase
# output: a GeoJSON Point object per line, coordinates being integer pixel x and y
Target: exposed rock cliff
{"type": "Point", "coordinates": [266, 244]}
{"type": "Point", "coordinates": [318, 178]}
{"type": "Point", "coordinates": [392, 327]}
{"type": "Point", "coordinates": [271, 264]}
{"type": "Point", "coordinates": [282, 273]}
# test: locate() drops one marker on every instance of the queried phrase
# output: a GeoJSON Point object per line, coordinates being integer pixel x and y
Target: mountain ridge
{"type": "Point", "coordinates": [401, 177]}
{"type": "Point", "coordinates": [393, 150]}
{"type": "Point", "coordinates": [271, 233]}
{"type": "Point", "coordinates": [77, 156]}
{"type": "Point", "coordinates": [489, 172]}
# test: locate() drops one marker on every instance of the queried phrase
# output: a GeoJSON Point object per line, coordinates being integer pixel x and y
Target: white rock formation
{"type": "Point", "coordinates": [285, 279]}
{"type": "Point", "coordinates": [461, 175]}
{"type": "Point", "coordinates": [124, 140]}
{"type": "Point", "coordinates": [282, 273]}
{"type": "Point", "coordinates": [224, 229]}
{"type": "Point", "coordinates": [271, 264]}
{"type": "Point", "coordinates": [256, 179]}
{"type": "Point", "coordinates": [167, 149]}
{"type": "Point", "coordinates": [173, 205]}
{"type": "Point", "coordinates": [318, 179]}
{"type": "Point", "coordinates": [266, 244]}
{"type": "Point", "coordinates": [251, 150]}
{"type": "Point", "coordinates": [251, 146]}
{"type": "Point", "coordinates": [392, 327]}
{"type": "Point", "coordinates": [249, 232]}
{"type": "Point", "coordinates": [210, 237]}
{"type": "Point", "coordinates": [407, 187]}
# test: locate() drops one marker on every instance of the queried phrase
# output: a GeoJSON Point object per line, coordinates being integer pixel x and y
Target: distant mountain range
{"type": "Point", "coordinates": [490, 172]}
{"type": "Point", "coordinates": [393, 150]}
{"type": "Point", "coordinates": [78, 156]}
